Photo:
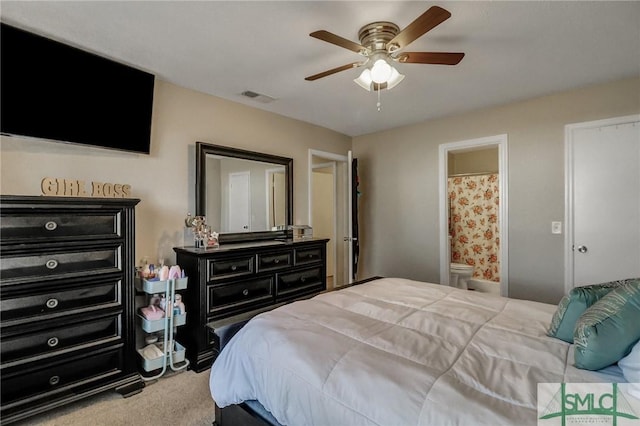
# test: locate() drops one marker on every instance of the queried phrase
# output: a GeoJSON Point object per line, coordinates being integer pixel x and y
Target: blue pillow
{"type": "Point", "coordinates": [575, 304]}
{"type": "Point", "coordinates": [608, 330]}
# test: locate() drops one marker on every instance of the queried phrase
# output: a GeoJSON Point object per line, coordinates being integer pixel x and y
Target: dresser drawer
{"type": "Point", "coordinates": [272, 261]}
{"type": "Point", "coordinates": [56, 340]}
{"type": "Point", "coordinates": [30, 225]}
{"type": "Point", "coordinates": [310, 279]}
{"type": "Point", "coordinates": [230, 267]}
{"type": "Point", "coordinates": [239, 294]}
{"type": "Point", "coordinates": [309, 255]}
{"type": "Point", "coordinates": [61, 264]}
{"type": "Point", "coordinates": [53, 302]}
{"type": "Point", "coordinates": [60, 378]}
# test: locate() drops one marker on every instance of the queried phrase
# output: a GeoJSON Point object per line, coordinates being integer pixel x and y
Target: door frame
{"type": "Point", "coordinates": [499, 141]}
{"type": "Point", "coordinates": [569, 141]}
{"type": "Point", "coordinates": [334, 158]}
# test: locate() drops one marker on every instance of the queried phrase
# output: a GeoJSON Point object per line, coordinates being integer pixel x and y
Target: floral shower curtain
{"type": "Point", "coordinates": [473, 223]}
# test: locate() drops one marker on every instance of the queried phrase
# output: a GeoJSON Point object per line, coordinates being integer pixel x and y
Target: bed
{"type": "Point", "coordinates": [396, 352]}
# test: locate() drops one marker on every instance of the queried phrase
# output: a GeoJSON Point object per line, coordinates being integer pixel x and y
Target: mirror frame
{"type": "Point", "coordinates": [202, 149]}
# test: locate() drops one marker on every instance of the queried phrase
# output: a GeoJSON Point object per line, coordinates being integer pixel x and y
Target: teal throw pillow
{"type": "Point", "coordinates": [574, 304]}
{"type": "Point", "coordinates": [607, 331]}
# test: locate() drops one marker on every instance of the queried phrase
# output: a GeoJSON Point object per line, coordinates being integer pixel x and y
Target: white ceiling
{"type": "Point", "coordinates": [514, 50]}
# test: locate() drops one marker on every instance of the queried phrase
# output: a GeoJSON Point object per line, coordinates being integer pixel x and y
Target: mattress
{"type": "Point", "coordinates": [398, 352]}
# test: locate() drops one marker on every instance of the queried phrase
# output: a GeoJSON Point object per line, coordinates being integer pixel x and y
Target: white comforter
{"type": "Point", "coordinates": [397, 352]}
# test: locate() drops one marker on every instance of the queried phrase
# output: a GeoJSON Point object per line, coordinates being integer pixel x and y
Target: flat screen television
{"type": "Point", "coordinates": [54, 91]}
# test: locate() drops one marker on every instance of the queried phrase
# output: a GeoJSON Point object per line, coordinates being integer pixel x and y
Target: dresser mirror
{"type": "Point", "coordinates": [244, 195]}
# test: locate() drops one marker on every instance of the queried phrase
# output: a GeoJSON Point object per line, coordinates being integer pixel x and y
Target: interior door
{"type": "Point", "coordinates": [606, 202]}
{"type": "Point", "coordinates": [239, 202]}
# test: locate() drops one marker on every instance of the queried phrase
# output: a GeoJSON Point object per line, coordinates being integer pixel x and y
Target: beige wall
{"type": "Point", "coordinates": [475, 161]}
{"type": "Point", "coordinates": [398, 174]}
{"type": "Point", "coordinates": [399, 184]}
{"type": "Point", "coordinates": [164, 180]}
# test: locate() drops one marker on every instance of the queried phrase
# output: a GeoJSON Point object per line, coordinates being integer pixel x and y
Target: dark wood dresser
{"type": "Point", "coordinates": [241, 277]}
{"type": "Point", "coordinates": [66, 301]}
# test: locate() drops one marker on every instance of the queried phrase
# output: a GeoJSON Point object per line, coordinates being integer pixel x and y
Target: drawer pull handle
{"type": "Point", "coordinates": [50, 226]}
{"type": "Point", "coordinates": [276, 261]}
{"type": "Point", "coordinates": [54, 380]}
{"type": "Point", "coordinates": [245, 292]}
{"type": "Point", "coordinates": [52, 303]}
{"type": "Point", "coordinates": [53, 342]}
{"type": "Point", "coordinates": [234, 267]}
{"type": "Point", "coordinates": [51, 264]}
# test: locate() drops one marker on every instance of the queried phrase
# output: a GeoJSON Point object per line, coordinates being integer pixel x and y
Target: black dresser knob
{"type": "Point", "coordinates": [54, 380]}
{"type": "Point", "coordinates": [234, 267]}
{"type": "Point", "coordinates": [52, 303]}
{"type": "Point", "coordinates": [53, 342]}
{"type": "Point", "coordinates": [245, 292]}
{"type": "Point", "coordinates": [51, 264]}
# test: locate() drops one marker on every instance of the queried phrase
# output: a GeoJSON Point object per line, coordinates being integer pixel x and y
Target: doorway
{"type": "Point", "coordinates": [323, 215]}
{"type": "Point", "coordinates": [602, 238]}
{"type": "Point", "coordinates": [498, 144]}
{"type": "Point", "coordinates": [329, 211]}
{"type": "Point", "coordinates": [275, 180]}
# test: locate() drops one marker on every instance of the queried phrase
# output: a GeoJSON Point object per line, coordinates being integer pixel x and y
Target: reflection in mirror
{"type": "Point", "coordinates": [248, 195]}
{"type": "Point", "coordinates": [244, 195]}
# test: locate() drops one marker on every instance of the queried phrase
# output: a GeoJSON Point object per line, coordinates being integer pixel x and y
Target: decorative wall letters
{"type": "Point", "coordinates": [79, 188]}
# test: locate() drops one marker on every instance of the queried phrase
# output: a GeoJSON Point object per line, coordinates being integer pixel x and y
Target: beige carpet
{"type": "Point", "coordinates": [176, 399]}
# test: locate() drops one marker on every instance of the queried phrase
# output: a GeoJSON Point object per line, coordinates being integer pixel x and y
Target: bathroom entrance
{"type": "Point", "coordinates": [473, 182]}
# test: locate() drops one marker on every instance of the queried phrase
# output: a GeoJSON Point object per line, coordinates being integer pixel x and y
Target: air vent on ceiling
{"type": "Point", "coordinates": [258, 97]}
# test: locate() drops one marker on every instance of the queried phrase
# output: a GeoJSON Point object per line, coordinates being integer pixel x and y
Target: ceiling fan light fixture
{"type": "Point", "coordinates": [395, 78]}
{"type": "Point", "coordinates": [381, 71]}
{"type": "Point", "coordinates": [364, 80]}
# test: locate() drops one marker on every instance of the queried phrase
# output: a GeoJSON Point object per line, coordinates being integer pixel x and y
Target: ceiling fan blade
{"type": "Point", "coordinates": [339, 41]}
{"type": "Point", "coordinates": [438, 58]}
{"type": "Point", "coordinates": [334, 70]}
{"type": "Point", "coordinates": [428, 20]}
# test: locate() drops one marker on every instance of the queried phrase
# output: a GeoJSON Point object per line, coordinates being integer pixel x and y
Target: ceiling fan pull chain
{"type": "Point", "coordinates": [379, 105]}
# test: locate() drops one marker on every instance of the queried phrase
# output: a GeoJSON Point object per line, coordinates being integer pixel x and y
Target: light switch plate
{"type": "Point", "coordinates": [556, 227]}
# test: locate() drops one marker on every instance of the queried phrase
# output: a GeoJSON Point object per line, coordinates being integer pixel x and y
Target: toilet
{"type": "Point", "coordinates": [459, 274]}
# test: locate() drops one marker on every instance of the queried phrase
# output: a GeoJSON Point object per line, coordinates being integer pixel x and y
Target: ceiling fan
{"type": "Point", "coordinates": [381, 42]}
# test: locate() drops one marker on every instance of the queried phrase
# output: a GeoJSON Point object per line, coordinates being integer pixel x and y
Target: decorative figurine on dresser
{"type": "Point", "coordinates": [66, 301]}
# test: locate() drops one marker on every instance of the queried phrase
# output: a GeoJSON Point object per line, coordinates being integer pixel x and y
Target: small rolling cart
{"type": "Point", "coordinates": [162, 351]}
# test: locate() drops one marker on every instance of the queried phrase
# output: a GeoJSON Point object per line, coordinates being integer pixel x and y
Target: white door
{"type": "Point", "coordinates": [604, 185]}
{"type": "Point", "coordinates": [239, 202]}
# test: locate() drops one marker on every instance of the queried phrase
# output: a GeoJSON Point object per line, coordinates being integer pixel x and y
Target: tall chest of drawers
{"type": "Point", "coordinates": [240, 278]}
{"type": "Point", "coordinates": [66, 301]}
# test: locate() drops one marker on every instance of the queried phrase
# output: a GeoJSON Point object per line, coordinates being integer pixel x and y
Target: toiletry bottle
{"type": "Point", "coordinates": [163, 304]}
{"type": "Point", "coordinates": [179, 304]}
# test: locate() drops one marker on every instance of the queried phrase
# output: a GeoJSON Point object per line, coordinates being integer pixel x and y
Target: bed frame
{"type": "Point", "coordinates": [249, 413]}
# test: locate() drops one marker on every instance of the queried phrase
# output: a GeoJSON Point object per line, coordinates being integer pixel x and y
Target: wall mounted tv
{"type": "Point", "coordinates": [53, 91]}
